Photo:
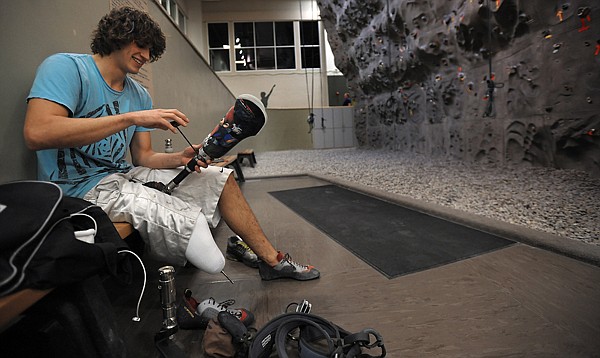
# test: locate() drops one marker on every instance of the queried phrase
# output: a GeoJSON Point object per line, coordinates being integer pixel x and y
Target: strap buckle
{"type": "Point", "coordinates": [363, 340]}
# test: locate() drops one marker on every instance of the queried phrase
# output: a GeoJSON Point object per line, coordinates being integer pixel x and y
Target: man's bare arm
{"type": "Point", "coordinates": [142, 154]}
{"type": "Point", "coordinates": [47, 124]}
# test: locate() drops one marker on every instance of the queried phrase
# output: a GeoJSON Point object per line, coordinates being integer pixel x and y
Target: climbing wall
{"type": "Point", "coordinates": [492, 81]}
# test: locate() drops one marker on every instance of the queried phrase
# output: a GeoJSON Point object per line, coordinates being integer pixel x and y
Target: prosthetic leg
{"type": "Point", "coordinates": [245, 119]}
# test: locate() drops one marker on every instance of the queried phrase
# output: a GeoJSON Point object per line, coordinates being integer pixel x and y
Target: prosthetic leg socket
{"type": "Point", "coordinates": [202, 251]}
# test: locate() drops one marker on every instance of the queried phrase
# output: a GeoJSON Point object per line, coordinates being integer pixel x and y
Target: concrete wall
{"type": "Point", "coordinates": [286, 129]}
{"type": "Point", "coordinates": [418, 71]}
{"type": "Point", "coordinates": [195, 26]}
{"type": "Point", "coordinates": [32, 30]}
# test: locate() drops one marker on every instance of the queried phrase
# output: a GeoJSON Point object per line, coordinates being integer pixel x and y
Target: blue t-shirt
{"type": "Point", "coordinates": [74, 81]}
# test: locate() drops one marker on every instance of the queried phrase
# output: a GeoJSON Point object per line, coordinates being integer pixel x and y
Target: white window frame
{"type": "Point", "coordinates": [297, 47]}
{"type": "Point", "coordinates": [172, 8]}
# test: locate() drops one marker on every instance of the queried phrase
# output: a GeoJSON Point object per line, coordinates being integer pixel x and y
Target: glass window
{"type": "Point", "coordinates": [218, 35]}
{"type": "Point", "coordinates": [284, 33]}
{"type": "Point", "coordinates": [309, 33]}
{"type": "Point", "coordinates": [286, 58]}
{"type": "Point", "coordinates": [264, 34]}
{"type": "Point", "coordinates": [309, 43]}
{"type": "Point", "coordinates": [244, 60]}
{"type": "Point", "coordinates": [218, 45]}
{"type": "Point", "coordinates": [175, 13]}
{"type": "Point", "coordinates": [173, 9]}
{"type": "Point", "coordinates": [264, 45]}
{"type": "Point", "coordinates": [181, 20]}
{"type": "Point", "coordinates": [219, 60]}
{"type": "Point", "coordinates": [311, 57]}
{"type": "Point", "coordinates": [244, 33]}
{"type": "Point", "coordinates": [265, 58]}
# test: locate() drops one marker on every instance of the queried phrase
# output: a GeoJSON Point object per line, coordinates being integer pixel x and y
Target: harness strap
{"type": "Point", "coordinates": [340, 343]}
{"type": "Point", "coordinates": [362, 339]}
{"type": "Point", "coordinates": [333, 343]}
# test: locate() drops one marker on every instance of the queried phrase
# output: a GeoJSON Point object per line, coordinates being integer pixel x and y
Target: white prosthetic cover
{"type": "Point", "coordinates": [202, 251]}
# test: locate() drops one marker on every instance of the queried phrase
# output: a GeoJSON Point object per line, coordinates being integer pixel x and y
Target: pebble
{"type": "Point", "coordinates": [562, 202]}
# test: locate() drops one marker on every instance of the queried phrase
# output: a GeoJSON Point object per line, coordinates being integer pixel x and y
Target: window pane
{"type": "Point", "coordinates": [284, 33]}
{"type": "Point", "coordinates": [245, 33]}
{"type": "Point", "coordinates": [218, 35]}
{"type": "Point", "coordinates": [265, 58]}
{"type": "Point", "coordinates": [173, 10]}
{"type": "Point", "coordinates": [181, 20]}
{"type": "Point", "coordinates": [310, 57]}
{"type": "Point", "coordinates": [219, 60]}
{"type": "Point", "coordinates": [286, 58]}
{"type": "Point", "coordinates": [264, 33]}
{"type": "Point", "coordinates": [309, 33]}
{"type": "Point", "coordinates": [244, 59]}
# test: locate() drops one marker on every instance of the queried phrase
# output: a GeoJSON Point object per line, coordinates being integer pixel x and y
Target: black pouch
{"type": "Point", "coordinates": [240, 335]}
{"type": "Point", "coordinates": [217, 342]}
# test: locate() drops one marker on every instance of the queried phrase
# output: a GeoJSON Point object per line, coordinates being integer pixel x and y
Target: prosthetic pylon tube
{"type": "Point", "coordinates": [166, 289]}
{"type": "Point", "coordinates": [245, 119]}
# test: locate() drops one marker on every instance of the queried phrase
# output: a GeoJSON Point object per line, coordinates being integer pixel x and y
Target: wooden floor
{"type": "Point", "coordinates": [516, 302]}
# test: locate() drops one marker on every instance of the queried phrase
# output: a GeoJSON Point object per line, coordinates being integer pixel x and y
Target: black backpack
{"type": "Point", "coordinates": [38, 247]}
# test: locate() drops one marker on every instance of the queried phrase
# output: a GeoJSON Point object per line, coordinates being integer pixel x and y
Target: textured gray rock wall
{"type": "Point", "coordinates": [420, 74]}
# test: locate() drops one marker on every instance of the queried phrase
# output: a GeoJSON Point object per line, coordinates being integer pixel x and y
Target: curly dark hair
{"type": "Point", "coordinates": [124, 25]}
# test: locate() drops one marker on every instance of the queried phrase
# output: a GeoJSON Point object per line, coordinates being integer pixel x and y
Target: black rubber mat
{"type": "Point", "coordinates": [393, 239]}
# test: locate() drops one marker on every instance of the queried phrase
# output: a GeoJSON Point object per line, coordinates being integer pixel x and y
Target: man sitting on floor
{"type": "Point", "coordinates": [84, 112]}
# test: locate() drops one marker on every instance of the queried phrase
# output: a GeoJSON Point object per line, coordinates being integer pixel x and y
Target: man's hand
{"type": "Point", "coordinates": [160, 118]}
{"type": "Point", "coordinates": [188, 153]}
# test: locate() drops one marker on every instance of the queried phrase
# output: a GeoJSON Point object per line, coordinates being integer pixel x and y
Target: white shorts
{"type": "Point", "coordinates": [165, 222]}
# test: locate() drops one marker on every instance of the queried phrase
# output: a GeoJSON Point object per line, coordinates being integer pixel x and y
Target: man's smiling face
{"type": "Point", "coordinates": [133, 57]}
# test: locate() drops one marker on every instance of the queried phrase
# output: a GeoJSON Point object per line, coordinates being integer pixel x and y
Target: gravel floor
{"type": "Point", "coordinates": [561, 202]}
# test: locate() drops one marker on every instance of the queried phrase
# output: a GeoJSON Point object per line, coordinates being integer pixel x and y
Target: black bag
{"type": "Point", "coordinates": [38, 247]}
{"type": "Point", "coordinates": [317, 338]}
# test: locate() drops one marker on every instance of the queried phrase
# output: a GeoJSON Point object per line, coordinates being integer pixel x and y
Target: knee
{"type": "Point", "coordinates": [231, 185]}
{"type": "Point", "coordinates": [231, 180]}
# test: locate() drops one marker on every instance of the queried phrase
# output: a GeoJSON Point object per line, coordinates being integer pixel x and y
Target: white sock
{"type": "Point", "coordinates": [202, 251]}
